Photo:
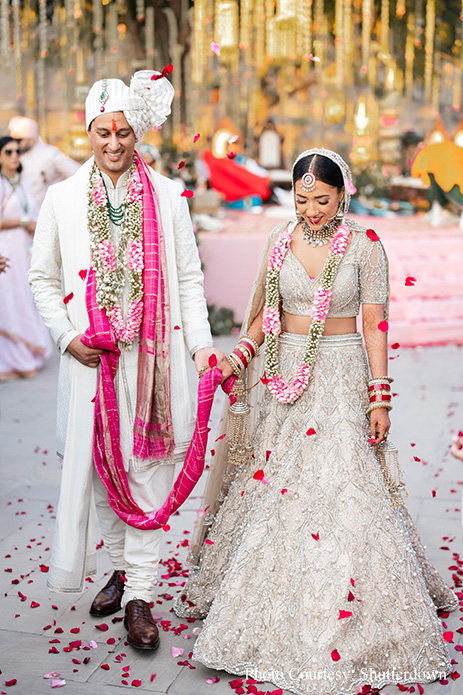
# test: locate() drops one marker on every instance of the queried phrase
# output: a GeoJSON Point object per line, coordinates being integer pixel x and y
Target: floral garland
{"type": "Point", "coordinates": [271, 324]}
{"type": "Point", "coordinates": [111, 266]}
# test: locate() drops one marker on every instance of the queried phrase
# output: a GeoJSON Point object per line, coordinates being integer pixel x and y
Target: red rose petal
{"type": "Point", "coordinates": [105, 667]}
{"type": "Point", "coordinates": [267, 455]}
{"type": "Point", "coordinates": [258, 475]}
{"type": "Point", "coordinates": [383, 326]}
{"type": "Point", "coordinates": [152, 677]}
{"type": "Point", "coordinates": [83, 274]}
{"type": "Point", "coordinates": [187, 193]}
{"type": "Point", "coordinates": [395, 346]}
{"type": "Point", "coordinates": [68, 298]}
{"type": "Point", "coordinates": [311, 431]}
{"type": "Point", "coordinates": [433, 492]}
{"type": "Point", "coordinates": [34, 604]}
{"type": "Point", "coordinates": [166, 527]}
{"type": "Point", "coordinates": [344, 614]}
{"type": "Point", "coordinates": [222, 436]}
{"type": "Point", "coordinates": [75, 630]}
{"type": "Point", "coordinates": [448, 636]}
{"type": "Point", "coordinates": [284, 490]}
{"type": "Point", "coordinates": [316, 536]}
{"type": "Point", "coordinates": [335, 655]}
{"type": "Point", "coordinates": [350, 596]}
{"type": "Point", "coordinates": [177, 328]}
{"type": "Point", "coordinates": [420, 688]}
{"type": "Point", "coordinates": [410, 282]}
{"type": "Point", "coordinates": [371, 234]}
{"type": "Point", "coordinates": [196, 137]}
{"type": "Point", "coordinates": [212, 361]}
{"type": "Point", "coordinates": [136, 683]}
{"type": "Point", "coordinates": [103, 627]}
{"type": "Point", "coordinates": [231, 155]}
{"type": "Point", "coordinates": [181, 164]}
{"type": "Point", "coordinates": [11, 682]}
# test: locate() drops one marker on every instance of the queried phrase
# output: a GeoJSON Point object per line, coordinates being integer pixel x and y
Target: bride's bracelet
{"type": "Point", "coordinates": [379, 404]}
{"type": "Point", "coordinates": [248, 342]}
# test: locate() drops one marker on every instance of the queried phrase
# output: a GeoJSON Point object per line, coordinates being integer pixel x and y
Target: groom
{"type": "Point", "coordinates": [94, 231]}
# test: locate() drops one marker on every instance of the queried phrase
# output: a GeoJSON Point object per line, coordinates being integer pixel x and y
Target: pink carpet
{"type": "Point", "coordinates": [430, 313]}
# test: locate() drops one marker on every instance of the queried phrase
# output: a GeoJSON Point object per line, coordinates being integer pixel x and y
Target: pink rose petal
{"type": "Point", "coordinates": [383, 326]}
{"type": "Point", "coordinates": [215, 48]}
{"type": "Point", "coordinates": [177, 651]}
{"type": "Point", "coordinates": [58, 682]}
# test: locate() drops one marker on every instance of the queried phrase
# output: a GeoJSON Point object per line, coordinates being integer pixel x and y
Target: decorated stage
{"type": "Point", "coordinates": [428, 312]}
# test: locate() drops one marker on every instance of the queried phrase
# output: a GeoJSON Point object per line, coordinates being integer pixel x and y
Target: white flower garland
{"type": "Point", "coordinates": [110, 268]}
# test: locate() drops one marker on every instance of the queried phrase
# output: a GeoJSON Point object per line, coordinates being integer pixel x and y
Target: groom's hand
{"type": "Point", "coordinates": [202, 359]}
{"type": "Point", "coordinates": [90, 357]}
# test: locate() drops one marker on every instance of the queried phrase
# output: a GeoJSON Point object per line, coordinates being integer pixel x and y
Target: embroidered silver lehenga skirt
{"type": "Point", "coordinates": [315, 581]}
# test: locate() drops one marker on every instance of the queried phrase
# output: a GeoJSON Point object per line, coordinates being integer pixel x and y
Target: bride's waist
{"type": "Point", "coordinates": [297, 339]}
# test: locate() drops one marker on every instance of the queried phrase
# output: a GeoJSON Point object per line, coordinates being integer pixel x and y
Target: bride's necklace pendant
{"type": "Point", "coordinates": [318, 237]}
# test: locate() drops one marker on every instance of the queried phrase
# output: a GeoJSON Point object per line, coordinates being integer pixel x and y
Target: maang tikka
{"type": "Point", "coordinates": [308, 181]}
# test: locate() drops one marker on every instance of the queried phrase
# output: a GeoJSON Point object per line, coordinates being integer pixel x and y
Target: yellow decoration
{"type": "Point", "coordinates": [445, 161]}
{"type": "Point", "coordinates": [366, 30]}
{"type": "Point", "coordinates": [286, 17]}
{"type": "Point", "coordinates": [385, 25]}
{"type": "Point", "coordinates": [226, 27]}
{"type": "Point", "coordinates": [429, 48]}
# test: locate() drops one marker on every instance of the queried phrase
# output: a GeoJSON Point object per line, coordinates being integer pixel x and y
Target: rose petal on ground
{"type": "Point", "coordinates": [177, 651]}
{"type": "Point", "coordinates": [383, 326]}
{"type": "Point", "coordinates": [335, 655]}
{"type": "Point", "coordinates": [420, 688]}
{"type": "Point", "coordinates": [152, 677]}
{"type": "Point", "coordinates": [58, 683]}
{"type": "Point", "coordinates": [13, 681]}
{"type": "Point", "coordinates": [105, 667]}
{"type": "Point", "coordinates": [93, 644]}
{"type": "Point", "coordinates": [196, 137]}
{"type": "Point", "coordinates": [350, 596]}
{"type": "Point", "coordinates": [68, 298]}
{"type": "Point", "coordinates": [433, 492]}
{"type": "Point", "coordinates": [371, 234]}
{"type": "Point", "coordinates": [267, 455]}
{"type": "Point", "coordinates": [75, 630]}
{"type": "Point", "coordinates": [259, 475]}
{"type": "Point", "coordinates": [53, 674]}
{"type": "Point", "coordinates": [102, 626]}
{"type": "Point", "coordinates": [210, 681]}
{"type": "Point", "coordinates": [221, 436]}
{"type": "Point", "coordinates": [34, 604]}
{"type": "Point", "coordinates": [237, 683]}
{"type": "Point", "coordinates": [187, 193]}
{"type": "Point", "coordinates": [344, 614]}
{"type": "Point", "coordinates": [136, 683]}
{"type": "Point", "coordinates": [215, 48]}
{"type": "Point", "coordinates": [448, 636]}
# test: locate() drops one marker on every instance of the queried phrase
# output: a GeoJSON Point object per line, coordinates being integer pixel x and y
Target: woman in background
{"type": "Point", "coordinates": [24, 340]}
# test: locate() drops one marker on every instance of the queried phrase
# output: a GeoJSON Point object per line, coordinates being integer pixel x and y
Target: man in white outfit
{"type": "Point", "coordinates": [117, 116]}
{"type": "Point", "coordinates": [43, 164]}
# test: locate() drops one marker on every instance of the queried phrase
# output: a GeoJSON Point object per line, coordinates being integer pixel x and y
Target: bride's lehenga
{"type": "Point", "coordinates": [316, 579]}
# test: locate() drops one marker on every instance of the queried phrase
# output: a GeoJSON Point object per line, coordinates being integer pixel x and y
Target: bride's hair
{"type": "Point", "coordinates": [325, 170]}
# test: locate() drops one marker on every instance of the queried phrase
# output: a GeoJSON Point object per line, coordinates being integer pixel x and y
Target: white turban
{"type": "Point", "coordinates": [23, 128]}
{"type": "Point", "coordinates": [145, 104]}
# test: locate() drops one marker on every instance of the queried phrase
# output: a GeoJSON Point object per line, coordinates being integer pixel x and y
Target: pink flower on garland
{"type": "Point", "coordinates": [340, 241]}
{"type": "Point", "coordinates": [126, 332]}
{"type": "Point", "coordinates": [279, 251]}
{"type": "Point", "coordinates": [135, 255]}
{"type": "Point", "coordinates": [288, 393]}
{"type": "Point", "coordinates": [321, 304]}
{"type": "Point", "coordinates": [99, 193]}
{"type": "Point", "coordinates": [108, 256]}
{"type": "Point", "coordinates": [271, 321]}
{"type": "Point", "coordinates": [135, 187]}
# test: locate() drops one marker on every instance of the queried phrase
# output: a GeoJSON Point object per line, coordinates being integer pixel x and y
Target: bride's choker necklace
{"type": "Point", "coordinates": [319, 237]}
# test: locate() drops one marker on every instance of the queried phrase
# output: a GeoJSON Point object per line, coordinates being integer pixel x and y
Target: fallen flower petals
{"type": "Point", "coordinates": [177, 651]}
{"type": "Point", "coordinates": [93, 644]}
{"type": "Point", "coordinates": [284, 490]}
{"type": "Point", "coordinates": [383, 326]}
{"type": "Point", "coordinates": [166, 527]}
{"type": "Point", "coordinates": [212, 361]}
{"type": "Point", "coordinates": [420, 688]}
{"type": "Point", "coordinates": [44, 568]}
{"type": "Point", "coordinates": [371, 234]}
{"type": "Point", "coordinates": [58, 683]}
{"type": "Point", "coordinates": [344, 614]}
{"type": "Point", "coordinates": [152, 677]}
{"type": "Point", "coordinates": [433, 492]}
{"type": "Point", "coordinates": [448, 636]}
{"type": "Point", "coordinates": [136, 683]}
{"type": "Point", "coordinates": [259, 475]}
{"type": "Point", "coordinates": [75, 630]}
{"type": "Point", "coordinates": [83, 274]}
{"type": "Point", "coordinates": [215, 48]}
{"type": "Point", "coordinates": [350, 596]}
{"type": "Point", "coordinates": [209, 542]}
{"type": "Point", "coordinates": [177, 328]}
{"type": "Point", "coordinates": [68, 298]}
{"type": "Point", "coordinates": [53, 674]}
{"type": "Point", "coordinates": [210, 681]}
{"type": "Point", "coordinates": [34, 604]}
{"type": "Point", "coordinates": [410, 282]}
{"type": "Point", "coordinates": [221, 436]}
{"type": "Point", "coordinates": [335, 655]}
{"type": "Point", "coordinates": [103, 627]}
{"type": "Point", "coordinates": [187, 193]}
{"type": "Point", "coordinates": [310, 432]}
{"type": "Point", "coordinates": [196, 137]}
{"type": "Point", "coordinates": [105, 667]}
{"type": "Point", "coordinates": [395, 346]}
{"type": "Point", "coordinates": [237, 683]}
{"type": "Point", "coordinates": [53, 650]}
{"type": "Point", "coordinates": [13, 681]}
{"type": "Point", "coordinates": [316, 536]}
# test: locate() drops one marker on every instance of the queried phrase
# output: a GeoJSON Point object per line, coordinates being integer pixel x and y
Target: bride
{"type": "Point", "coordinates": [309, 571]}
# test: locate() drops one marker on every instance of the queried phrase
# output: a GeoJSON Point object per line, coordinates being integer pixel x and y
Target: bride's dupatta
{"type": "Point", "coordinates": [239, 417]}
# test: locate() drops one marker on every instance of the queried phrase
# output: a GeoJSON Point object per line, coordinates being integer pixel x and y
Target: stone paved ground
{"type": "Point", "coordinates": [428, 408]}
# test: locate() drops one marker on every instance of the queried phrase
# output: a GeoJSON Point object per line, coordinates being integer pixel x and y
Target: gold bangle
{"type": "Point", "coordinates": [381, 392]}
{"type": "Point", "coordinates": [253, 342]}
{"type": "Point", "coordinates": [379, 404]}
{"type": "Point", "coordinates": [380, 380]}
{"type": "Point", "coordinates": [233, 362]}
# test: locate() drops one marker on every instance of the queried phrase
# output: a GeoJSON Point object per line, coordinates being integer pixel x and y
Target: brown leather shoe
{"type": "Point", "coordinates": [108, 600]}
{"type": "Point", "coordinates": [142, 631]}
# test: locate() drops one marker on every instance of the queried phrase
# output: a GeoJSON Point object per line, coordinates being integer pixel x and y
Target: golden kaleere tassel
{"type": "Point", "coordinates": [239, 426]}
{"type": "Point", "coordinates": [388, 459]}
{"type": "Point", "coordinates": [339, 42]}
{"type": "Point", "coordinates": [429, 48]}
{"type": "Point", "coordinates": [366, 31]}
{"type": "Point", "coordinates": [15, 10]}
{"type": "Point", "coordinates": [384, 37]}
{"type": "Point", "coordinates": [409, 54]}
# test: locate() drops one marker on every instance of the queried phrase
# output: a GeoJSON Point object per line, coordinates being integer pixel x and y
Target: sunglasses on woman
{"type": "Point", "coordinates": [10, 152]}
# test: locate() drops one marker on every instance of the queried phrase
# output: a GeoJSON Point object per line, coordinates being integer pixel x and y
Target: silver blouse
{"type": "Point", "coordinates": [362, 278]}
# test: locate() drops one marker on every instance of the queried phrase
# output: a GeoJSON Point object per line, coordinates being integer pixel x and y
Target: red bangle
{"type": "Point", "coordinates": [379, 387]}
{"type": "Point", "coordinates": [241, 357]}
{"type": "Point", "coordinates": [249, 346]}
{"type": "Point", "coordinates": [375, 399]}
